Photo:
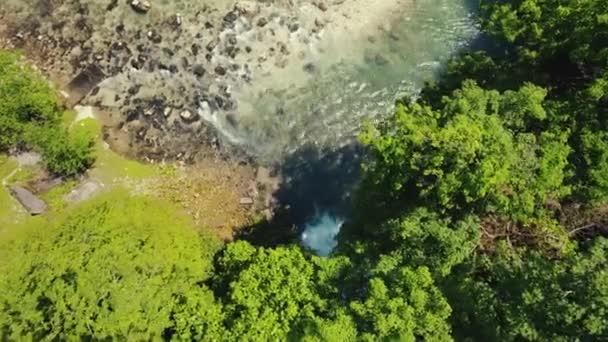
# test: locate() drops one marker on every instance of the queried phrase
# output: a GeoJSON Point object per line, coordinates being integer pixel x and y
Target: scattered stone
{"type": "Point", "coordinates": [246, 201]}
{"type": "Point", "coordinates": [167, 112]}
{"type": "Point", "coordinates": [29, 201]}
{"type": "Point", "coordinates": [141, 6]}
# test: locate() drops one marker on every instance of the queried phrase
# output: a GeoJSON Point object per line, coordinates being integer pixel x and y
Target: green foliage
{"type": "Point", "coordinates": [25, 100]}
{"type": "Point", "coordinates": [402, 304]}
{"type": "Point", "coordinates": [470, 154]}
{"type": "Point", "coordinates": [595, 147]}
{"type": "Point", "coordinates": [550, 28]}
{"type": "Point", "coordinates": [423, 239]}
{"type": "Point", "coordinates": [31, 117]}
{"type": "Point", "coordinates": [118, 268]}
{"type": "Point", "coordinates": [268, 291]}
{"type": "Point", "coordinates": [64, 153]}
{"type": "Point", "coordinates": [529, 296]}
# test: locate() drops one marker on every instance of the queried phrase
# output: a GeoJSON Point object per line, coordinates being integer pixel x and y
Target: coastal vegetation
{"type": "Point", "coordinates": [481, 215]}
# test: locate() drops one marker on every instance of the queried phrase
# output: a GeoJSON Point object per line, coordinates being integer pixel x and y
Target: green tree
{"type": "Point", "coordinates": [117, 268]}
{"type": "Point", "coordinates": [470, 154]}
{"type": "Point", "coordinates": [525, 295]}
{"type": "Point", "coordinates": [402, 303]}
{"type": "Point", "coordinates": [271, 294]}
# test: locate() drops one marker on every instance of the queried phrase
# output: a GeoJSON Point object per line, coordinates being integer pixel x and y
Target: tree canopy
{"type": "Point", "coordinates": [116, 268]}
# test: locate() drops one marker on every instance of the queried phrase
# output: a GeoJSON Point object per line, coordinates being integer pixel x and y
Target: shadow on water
{"type": "Point", "coordinates": [314, 180]}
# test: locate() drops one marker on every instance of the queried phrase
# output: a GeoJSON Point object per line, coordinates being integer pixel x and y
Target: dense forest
{"type": "Point", "coordinates": [482, 215]}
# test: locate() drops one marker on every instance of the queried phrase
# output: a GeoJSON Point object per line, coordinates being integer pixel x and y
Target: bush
{"type": "Point", "coordinates": [30, 117]}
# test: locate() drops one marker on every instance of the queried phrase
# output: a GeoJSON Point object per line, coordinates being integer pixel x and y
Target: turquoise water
{"type": "Point", "coordinates": [328, 110]}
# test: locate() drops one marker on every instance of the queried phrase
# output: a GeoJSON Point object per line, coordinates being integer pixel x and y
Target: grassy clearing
{"type": "Point", "coordinates": [110, 167]}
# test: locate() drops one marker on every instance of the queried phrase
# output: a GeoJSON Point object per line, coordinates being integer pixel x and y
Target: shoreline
{"type": "Point", "coordinates": [173, 76]}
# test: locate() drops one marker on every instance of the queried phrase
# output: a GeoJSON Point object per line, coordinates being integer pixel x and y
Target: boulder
{"type": "Point", "coordinates": [188, 116]}
{"type": "Point", "coordinates": [83, 192]}
{"type": "Point", "coordinates": [31, 203]}
{"type": "Point", "coordinates": [141, 6]}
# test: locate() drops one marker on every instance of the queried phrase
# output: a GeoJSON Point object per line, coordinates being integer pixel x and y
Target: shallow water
{"type": "Point", "coordinates": [329, 107]}
{"type": "Point", "coordinates": [320, 234]}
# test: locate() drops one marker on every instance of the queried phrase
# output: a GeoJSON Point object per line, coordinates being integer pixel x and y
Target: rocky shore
{"type": "Point", "coordinates": [168, 74]}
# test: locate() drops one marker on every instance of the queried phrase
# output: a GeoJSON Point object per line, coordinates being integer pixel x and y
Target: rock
{"type": "Point", "coordinates": [155, 36]}
{"type": "Point", "coordinates": [167, 112]}
{"type": "Point", "coordinates": [198, 70]}
{"type": "Point", "coordinates": [310, 68]}
{"type": "Point", "coordinates": [178, 20]}
{"type": "Point", "coordinates": [246, 201]}
{"type": "Point", "coordinates": [247, 8]}
{"type": "Point", "coordinates": [29, 201]}
{"type": "Point", "coordinates": [141, 6]}
{"type": "Point", "coordinates": [83, 192]}
{"type": "Point", "coordinates": [321, 5]}
{"type": "Point", "coordinates": [293, 27]}
{"type": "Point", "coordinates": [262, 22]}
{"type": "Point", "coordinates": [188, 116]}
{"type": "Point", "coordinates": [220, 70]}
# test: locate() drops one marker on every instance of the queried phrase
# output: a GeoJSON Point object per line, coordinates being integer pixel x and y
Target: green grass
{"type": "Point", "coordinates": [24, 174]}
{"type": "Point", "coordinates": [110, 166]}
{"type": "Point", "coordinates": [10, 211]}
{"type": "Point", "coordinates": [54, 197]}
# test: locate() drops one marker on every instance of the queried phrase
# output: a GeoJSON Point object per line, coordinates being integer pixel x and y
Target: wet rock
{"type": "Point", "coordinates": [195, 49]}
{"type": "Point", "coordinates": [141, 6]}
{"type": "Point", "coordinates": [262, 22]}
{"type": "Point", "coordinates": [293, 27]}
{"type": "Point", "coordinates": [177, 20]}
{"type": "Point", "coordinates": [212, 44]}
{"type": "Point", "coordinates": [321, 5]}
{"type": "Point", "coordinates": [231, 17]}
{"type": "Point", "coordinates": [112, 5]}
{"type": "Point", "coordinates": [154, 36]}
{"type": "Point", "coordinates": [231, 39]}
{"type": "Point", "coordinates": [198, 70]}
{"type": "Point", "coordinates": [188, 116]}
{"type": "Point", "coordinates": [231, 118]}
{"type": "Point", "coordinates": [310, 68]}
{"type": "Point", "coordinates": [220, 70]}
